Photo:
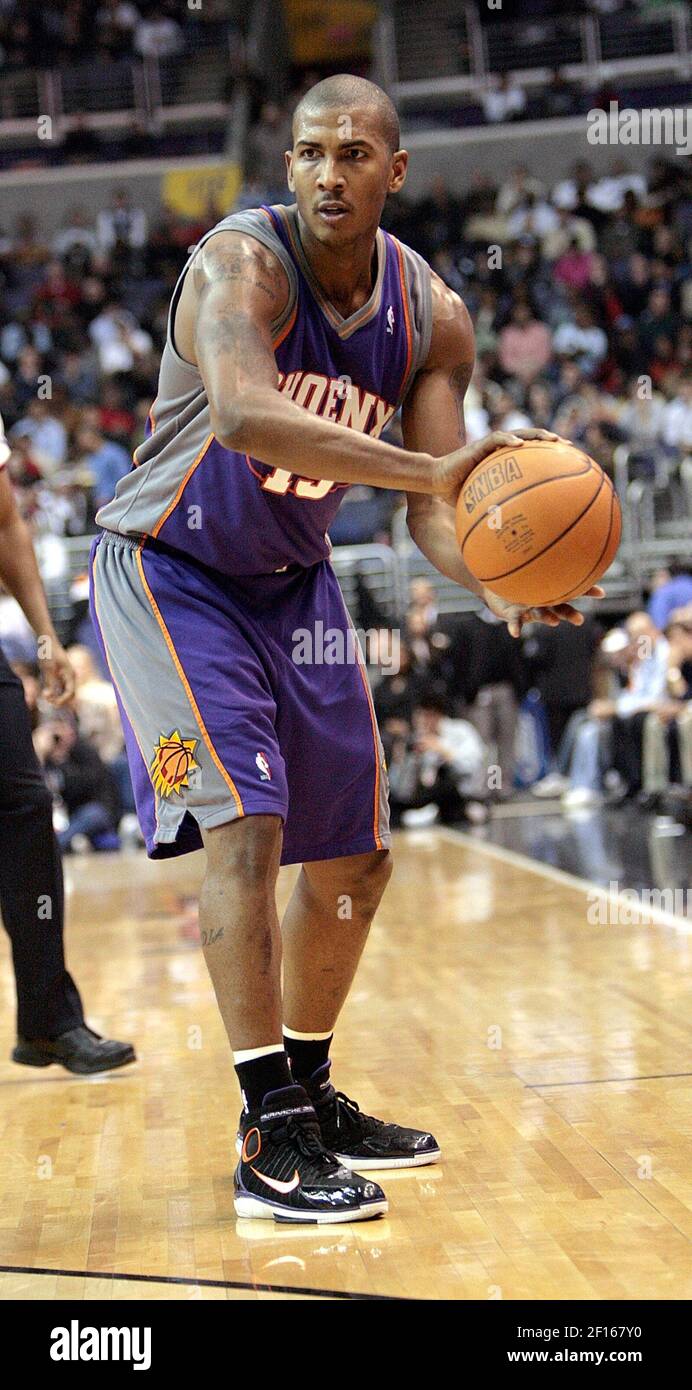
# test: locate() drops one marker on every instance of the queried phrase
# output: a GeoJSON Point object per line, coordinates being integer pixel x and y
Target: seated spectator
{"type": "Point", "coordinates": [422, 597]}
{"type": "Point", "coordinates": [23, 466]}
{"type": "Point", "coordinates": [56, 290]}
{"type": "Point", "coordinates": [646, 655]}
{"type": "Point", "coordinates": [570, 231]}
{"type": "Point", "coordinates": [121, 224]}
{"type": "Point", "coordinates": [430, 645]}
{"type": "Point", "coordinates": [157, 34]}
{"type": "Point", "coordinates": [541, 404]}
{"type": "Point", "coordinates": [78, 377]}
{"type": "Point", "coordinates": [534, 218]}
{"type": "Point", "coordinates": [438, 219]}
{"type": "Point", "coordinates": [515, 190]}
{"type": "Point", "coordinates": [503, 410]}
{"type": "Point", "coordinates": [116, 22]}
{"type": "Point", "coordinates": [666, 746]}
{"type": "Point", "coordinates": [116, 421]}
{"type": "Point", "coordinates": [106, 462]}
{"type": "Point", "coordinates": [574, 267]}
{"type": "Point", "coordinates": [119, 340]}
{"type": "Point", "coordinates": [503, 99]}
{"type": "Point", "coordinates": [581, 338]}
{"type": "Point", "coordinates": [397, 688]}
{"type": "Point", "coordinates": [81, 144]}
{"type": "Point", "coordinates": [439, 772]}
{"type": "Point", "coordinates": [25, 382]}
{"type": "Point", "coordinates": [641, 420]}
{"type": "Point", "coordinates": [86, 790]}
{"type": "Point", "coordinates": [524, 346]}
{"type": "Point", "coordinates": [658, 319]}
{"type": "Point", "coordinates": [560, 97]}
{"type": "Point", "coordinates": [46, 433]}
{"type": "Point", "coordinates": [95, 706]}
{"type": "Point", "coordinates": [671, 588]}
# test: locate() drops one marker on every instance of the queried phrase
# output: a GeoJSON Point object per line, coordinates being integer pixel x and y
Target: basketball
{"type": "Point", "coordinates": [174, 764]}
{"type": "Point", "coordinates": [539, 524]}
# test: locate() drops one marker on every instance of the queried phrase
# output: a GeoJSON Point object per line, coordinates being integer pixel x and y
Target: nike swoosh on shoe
{"type": "Point", "coordinates": [275, 1183]}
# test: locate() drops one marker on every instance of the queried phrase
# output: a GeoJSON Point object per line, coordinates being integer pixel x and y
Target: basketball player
{"type": "Point", "coordinates": [294, 334]}
{"type": "Point", "coordinates": [50, 1020]}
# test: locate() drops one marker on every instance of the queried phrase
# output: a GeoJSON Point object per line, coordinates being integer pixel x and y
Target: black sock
{"type": "Point", "coordinates": [259, 1075]}
{"type": "Point", "coordinates": [306, 1055]}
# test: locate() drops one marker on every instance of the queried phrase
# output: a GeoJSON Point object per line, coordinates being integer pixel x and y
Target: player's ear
{"type": "Point", "coordinates": [398, 171]}
{"type": "Point", "coordinates": [288, 156]}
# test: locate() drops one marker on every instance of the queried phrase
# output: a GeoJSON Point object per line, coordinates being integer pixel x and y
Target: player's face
{"type": "Point", "coordinates": [341, 171]}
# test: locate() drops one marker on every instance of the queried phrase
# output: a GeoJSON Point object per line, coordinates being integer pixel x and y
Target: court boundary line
{"type": "Point", "coordinates": [191, 1282]}
{"type": "Point", "coordinates": [653, 915]}
{"type": "Point", "coordinates": [605, 1080]}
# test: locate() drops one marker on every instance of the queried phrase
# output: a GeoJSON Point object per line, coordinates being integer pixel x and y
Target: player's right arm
{"type": "Point", "coordinates": [237, 288]}
{"type": "Point", "coordinates": [19, 574]}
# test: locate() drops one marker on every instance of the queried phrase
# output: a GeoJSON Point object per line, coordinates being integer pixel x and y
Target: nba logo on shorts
{"type": "Point", "coordinates": [265, 771]}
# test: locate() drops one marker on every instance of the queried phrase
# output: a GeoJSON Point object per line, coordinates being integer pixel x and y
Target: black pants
{"type": "Point", "coordinates": [31, 887]}
{"type": "Point", "coordinates": [627, 749]}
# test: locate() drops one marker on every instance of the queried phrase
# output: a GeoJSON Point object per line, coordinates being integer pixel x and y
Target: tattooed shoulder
{"type": "Point", "coordinates": [242, 260]}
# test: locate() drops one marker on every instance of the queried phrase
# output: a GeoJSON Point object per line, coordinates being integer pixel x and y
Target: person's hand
{"type": "Point", "coordinates": [398, 728]}
{"type": "Point", "coordinates": [57, 676]}
{"type": "Point", "coordinates": [515, 615]}
{"type": "Point", "coordinates": [669, 710]}
{"type": "Point", "coordinates": [601, 709]}
{"type": "Point", "coordinates": [43, 740]}
{"type": "Point", "coordinates": [431, 743]}
{"type": "Point", "coordinates": [452, 470]}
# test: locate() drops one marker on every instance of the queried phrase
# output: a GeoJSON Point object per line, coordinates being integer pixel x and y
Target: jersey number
{"type": "Point", "coordinates": [279, 482]}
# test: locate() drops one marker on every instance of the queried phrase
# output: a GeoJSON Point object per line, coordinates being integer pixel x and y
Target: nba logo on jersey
{"type": "Point", "coordinates": [390, 319]}
{"type": "Point", "coordinates": [265, 771]}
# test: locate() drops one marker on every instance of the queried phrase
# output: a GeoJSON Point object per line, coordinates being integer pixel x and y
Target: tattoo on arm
{"type": "Point", "coordinates": [219, 264]}
{"type": "Point", "coordinates": [230, 331]}
{"type": "Point", "coordinates": [459, 382]}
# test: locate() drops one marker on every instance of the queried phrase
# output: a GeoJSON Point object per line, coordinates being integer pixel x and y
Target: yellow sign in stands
{"type": "Point", "coordinates": [325, 31]}
{"type": "Point", "coordinates": [190, 192]}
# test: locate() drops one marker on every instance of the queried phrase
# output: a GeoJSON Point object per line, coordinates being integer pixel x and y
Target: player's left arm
{"type": "Point", "coordinates": [433, 419]}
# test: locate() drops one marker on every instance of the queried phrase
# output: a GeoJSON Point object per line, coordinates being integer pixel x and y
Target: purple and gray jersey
{"type": "Point", "coordinates": [226, 509]}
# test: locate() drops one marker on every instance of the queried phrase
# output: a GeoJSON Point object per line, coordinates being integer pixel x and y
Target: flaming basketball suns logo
{"type": "Point", "coordinates": [172, 763]}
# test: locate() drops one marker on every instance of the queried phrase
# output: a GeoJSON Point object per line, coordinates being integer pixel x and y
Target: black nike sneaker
{"type": "Point", "coordinates": [285, 1171]}
{"type": "Point", "coordinates": [360, 1140]}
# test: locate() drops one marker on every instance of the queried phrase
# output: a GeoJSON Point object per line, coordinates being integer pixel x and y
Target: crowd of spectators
{"type": "Point", "coordinates": [606, 715]}
{"type": "Point", "coordinates": [78, 31]}
{"type": "Point", "coordinates": [580, 296]}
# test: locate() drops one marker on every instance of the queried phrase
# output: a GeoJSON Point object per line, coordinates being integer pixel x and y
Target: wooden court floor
{"type": "Point", "coordinates": [551, 1057]}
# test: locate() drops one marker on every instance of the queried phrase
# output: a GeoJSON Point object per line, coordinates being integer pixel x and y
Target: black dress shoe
{"type": "Point", "coordinates": [81, 1050]}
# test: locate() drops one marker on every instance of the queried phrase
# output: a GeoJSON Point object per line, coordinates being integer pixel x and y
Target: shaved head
{"type": "Point", "coordinates": [343, 92]}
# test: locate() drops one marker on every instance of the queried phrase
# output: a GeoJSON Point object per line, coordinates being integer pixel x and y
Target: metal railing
{"type": "Point", "coordinates": [386, 572]}
{"type": "Point", "coordinates": [118, 94]}
{"type": "Point", "coordinates": [435, 50]}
